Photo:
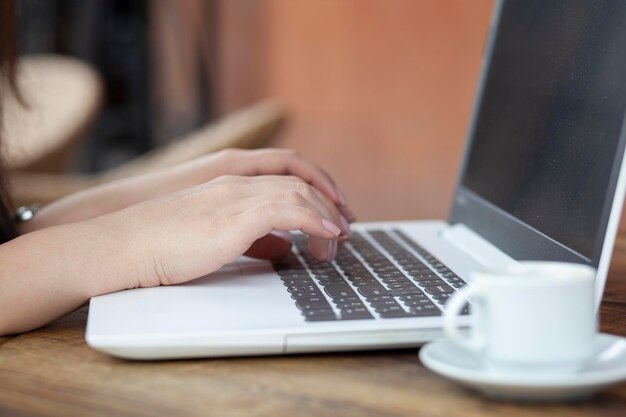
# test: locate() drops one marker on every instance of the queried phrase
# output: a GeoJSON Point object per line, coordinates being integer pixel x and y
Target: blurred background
{"type": "Point", "coordinates": [378, 92]}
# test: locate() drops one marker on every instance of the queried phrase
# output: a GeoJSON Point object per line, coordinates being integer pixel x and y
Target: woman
{"type": "Point", "coordinates": [158, 229]}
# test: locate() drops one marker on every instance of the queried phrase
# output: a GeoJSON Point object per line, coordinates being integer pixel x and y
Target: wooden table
{"type": "Point", "coordinates": [51, 372]}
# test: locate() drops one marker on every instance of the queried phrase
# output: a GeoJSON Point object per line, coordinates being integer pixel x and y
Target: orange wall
{"type": "Point", "coordinates": [380, 91]}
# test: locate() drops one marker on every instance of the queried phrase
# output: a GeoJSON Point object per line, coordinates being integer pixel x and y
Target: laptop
{"type": "Point", "coordinates": [543, 178]}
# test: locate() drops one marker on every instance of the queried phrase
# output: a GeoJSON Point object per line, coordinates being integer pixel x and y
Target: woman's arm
{"type": "Point", "coordinates": [124, 193]}
{"type": "Point", "coordinates": [49, 273]}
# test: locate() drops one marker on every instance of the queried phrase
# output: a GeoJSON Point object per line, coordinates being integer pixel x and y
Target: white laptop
{"type": "Point", "coordinates": [543, 178]}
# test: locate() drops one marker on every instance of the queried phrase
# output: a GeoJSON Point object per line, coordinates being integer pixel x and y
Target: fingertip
{"type": "Point", "coordinates": [345, 226]}
{"type": "Point", "coordinates": [319, 248]}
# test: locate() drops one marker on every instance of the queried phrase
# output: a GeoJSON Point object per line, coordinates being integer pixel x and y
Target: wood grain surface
{"type": "Point", "coordinates": [51, 372]}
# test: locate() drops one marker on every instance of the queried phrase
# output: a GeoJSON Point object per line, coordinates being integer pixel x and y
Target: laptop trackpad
{"type": "Point", "coordinates": [243, 295]}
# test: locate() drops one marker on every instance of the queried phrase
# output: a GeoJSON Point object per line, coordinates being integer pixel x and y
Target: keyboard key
{"type": "Point", "coordinates": [392, 274]}
{"type": "Point", "coordinates": [442, 298]}
{"type": "Point", "coordinates": [323, 314]}
{"type": "Point", "coordinates": [424, 310]}
{"type": "Point", "coordinates": [359, 274]}
{"type": "Point", "coordinates": [307, 288]}
{"type": "Point", "coordinates": [327, 274]}
{"type": "Point", "coordinates": [313, 303]}
{"type": "Point", "coordinates": [421, 276]}
{"type": "Point", "coordinates": [402, 285]}
{"type": "Point", "coordinates": [331, 280]}
{"type": "Point", "coordinates": [320, 266]}
{"type": "Point", "coordinates": [298, 274]}
{"type": "Point", "coordinates": [373, 290]}
{"type": "Point", "coordinates": [384, 303]}
{"type": "Point", "coordinates": [383, 269]}
{"type": "Point", "coordinates": [431, 282]}
{"type": "Point", "coordinates": [303, 293]}
{"type": "Point", "coordinates": [316, 265]}
{"type": "Point", "coordinates": [397, 281]}
{"type": "Point", "coordinates": [361, 282]}
{"type": "Point", "coordinates": [456, 282]}
{"type": "Point", "coordinates": [392, 312]}
{"type": "Point", "coordinates": [343, 300]}
{"type": "Point", "coordinates": [398, 292]}
{"type": "Point", "coordinates": [421, 270]}
{"type": "Point", "coordinates": [439, 289]}
{"type": "Point", "coordinates": [339, 290]}
{"type": "Point", "coordinates": [357, 313]}
{"type": "Point", "coordinates": [297, 282]}
{"type": "Point", "coordinates": [349, 304]}
{"type": "Point", "coordinates": [375, 299]}
{"type": "Point", "coordinates": [412, 297]}
{"type": "Point", "coordinates": [422, 301]}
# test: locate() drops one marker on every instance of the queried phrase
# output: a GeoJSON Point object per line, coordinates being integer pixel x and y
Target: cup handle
{"type": "Point", "coordinates": [476, 340]}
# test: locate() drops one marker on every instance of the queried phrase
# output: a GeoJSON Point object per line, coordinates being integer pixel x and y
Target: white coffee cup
{"type": "Point", "coordinates": [528, 317]}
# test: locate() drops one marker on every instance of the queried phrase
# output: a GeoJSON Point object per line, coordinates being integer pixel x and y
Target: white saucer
{"type": "Point", "coordinates": [608, 367]}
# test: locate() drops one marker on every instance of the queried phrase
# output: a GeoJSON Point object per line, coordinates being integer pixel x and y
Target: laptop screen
{"type": "Point", "coordinates": [547, 132]}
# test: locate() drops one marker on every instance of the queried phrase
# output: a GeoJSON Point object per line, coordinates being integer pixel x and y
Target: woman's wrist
{"type": "Point", "coordinates": [116, 251]}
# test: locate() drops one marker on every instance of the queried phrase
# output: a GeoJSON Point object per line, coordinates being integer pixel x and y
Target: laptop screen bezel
{"type": "Point", "coordinates": [511, 235]}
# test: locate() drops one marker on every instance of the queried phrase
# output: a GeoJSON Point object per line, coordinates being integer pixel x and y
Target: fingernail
{"type": "Point", "coordinates": [331, 227]}
{"type": "Point", "coordinates": [332, 250]}
{"type": "Point", "coordinates": [345, 226]}
{"type": "Point", "coordinates": [283, 235]}
{"type": "Point", "coordinates": [342, 197]}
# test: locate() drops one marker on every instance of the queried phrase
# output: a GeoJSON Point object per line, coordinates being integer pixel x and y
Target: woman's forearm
{"type": "Point", "coordinates": [114, 196]}
{"type": "Point", "coordinates": [49, 273]}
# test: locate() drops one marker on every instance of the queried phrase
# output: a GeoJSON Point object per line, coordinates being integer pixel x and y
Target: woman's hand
{"type": "Point", "coordinates": [196, 231]}
{"type": "Point", "coordinates": [267, 162]}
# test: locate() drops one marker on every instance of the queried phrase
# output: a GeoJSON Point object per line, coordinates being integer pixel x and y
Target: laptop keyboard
{"type": "Point", "coordinates": [365, 283]}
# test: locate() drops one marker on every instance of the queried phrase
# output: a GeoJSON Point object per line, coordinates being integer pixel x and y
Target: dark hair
{"type": "Point", "coordinates": [8, 52]}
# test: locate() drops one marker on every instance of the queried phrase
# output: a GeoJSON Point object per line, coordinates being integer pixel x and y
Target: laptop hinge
{"type": "Point", "coordinates": [475, 246]}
